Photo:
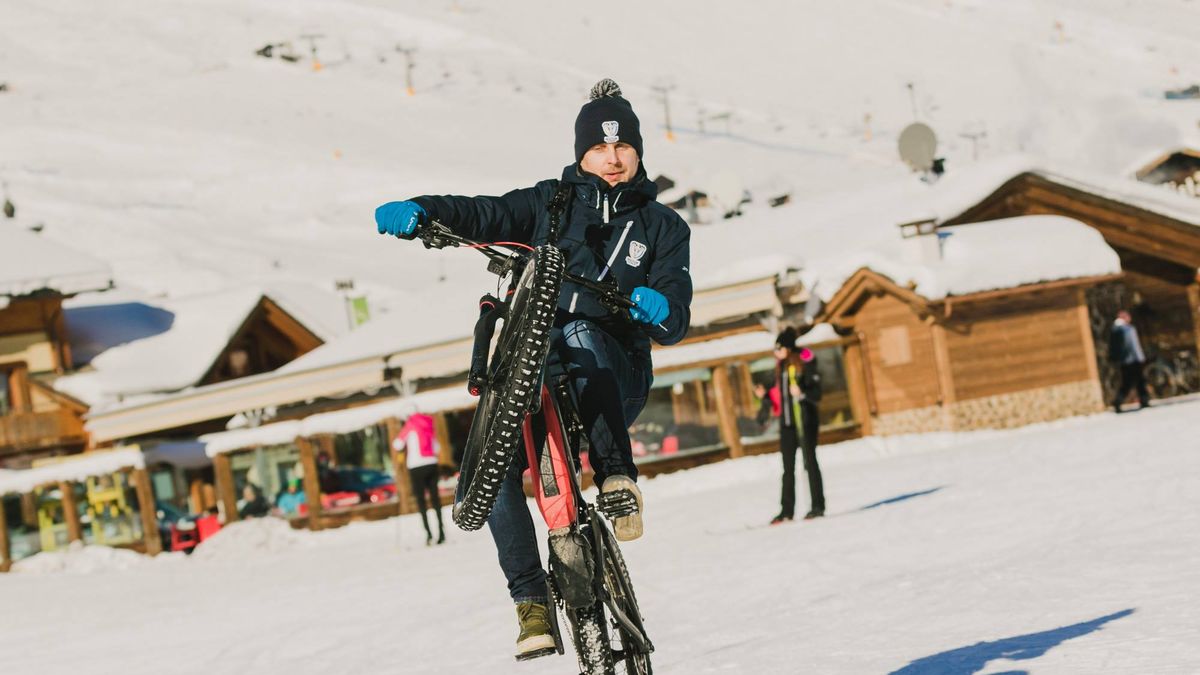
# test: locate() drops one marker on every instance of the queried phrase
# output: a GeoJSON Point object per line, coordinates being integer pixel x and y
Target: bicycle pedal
{"type": "Point", "coordinates": [617, 504]}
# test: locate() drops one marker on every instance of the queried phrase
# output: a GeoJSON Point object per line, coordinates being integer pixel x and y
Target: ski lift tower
{"type": "Point", "coordinates": [312, 48]}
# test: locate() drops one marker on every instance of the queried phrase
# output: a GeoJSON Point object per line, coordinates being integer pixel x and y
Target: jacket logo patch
{"type": "Point", "coordinates": [636, 250]}
{"type": "Point", "coordinates": [610, 131]}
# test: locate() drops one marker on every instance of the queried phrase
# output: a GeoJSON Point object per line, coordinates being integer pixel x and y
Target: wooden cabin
{"type": "Point", "coordinates": [1158, 245]}
{"type": "Point", "coordinates": [974, 343]}
{"type": "Point", "coordinates": [995, 359]}
{"type": "Point", "coordinates": [36, 275]}
{"type": "Point", "coordinates": [35, 419]}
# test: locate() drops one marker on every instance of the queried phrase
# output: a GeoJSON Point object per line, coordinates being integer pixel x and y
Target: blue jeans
{"type": "Point", "coordinates": [611, 391]}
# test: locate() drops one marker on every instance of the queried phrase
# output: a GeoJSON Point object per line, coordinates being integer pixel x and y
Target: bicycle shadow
{"type": "Point", "coordinates": [901, 498]}
{"type": "Point", "coordinates": [972, 659]}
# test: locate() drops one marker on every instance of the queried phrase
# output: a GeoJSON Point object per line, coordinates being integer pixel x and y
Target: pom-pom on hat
{"type": "Point", "coordinates": [606, 118]}
{"type": "Point", "coordinates": [807, 355]}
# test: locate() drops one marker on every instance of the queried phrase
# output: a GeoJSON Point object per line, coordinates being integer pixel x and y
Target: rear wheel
{"type": "Point", "coordinates": [1161, 381]}
{"type": "Point", "coordinates": [630, 656]}
{"type": "Point", "coordinates": [590, 636]}
{"type": "Point", "coordinates": [513, 383]}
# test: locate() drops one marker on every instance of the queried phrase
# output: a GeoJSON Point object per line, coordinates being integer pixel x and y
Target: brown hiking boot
{"type": "Point", "coordinates": [536, 638]}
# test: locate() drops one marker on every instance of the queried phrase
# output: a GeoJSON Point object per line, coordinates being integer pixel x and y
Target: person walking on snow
{"type": "Point", "coordinates": [1125, 349]}
{"type": "Point", "coordinates": [417, 439]}
{"type": "Point", "coordinates": [612, 229]}
{"type": "Point", "coordinates": [793, 399]}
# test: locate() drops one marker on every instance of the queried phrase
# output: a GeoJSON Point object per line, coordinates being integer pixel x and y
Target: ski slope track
{"type": "Point", "coordinates": [1066, 548]}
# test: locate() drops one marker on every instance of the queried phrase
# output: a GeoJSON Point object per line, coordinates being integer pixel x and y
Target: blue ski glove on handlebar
{"type": "Point", "coordinates": [652, 307]}
{"type": "Point", "coordinates": [400, 219]}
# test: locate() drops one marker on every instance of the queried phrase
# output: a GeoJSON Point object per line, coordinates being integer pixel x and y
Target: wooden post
{"type": "Point", "coordinates": [404, 495]}
{"type": "Point", "coordinates": [1193, 293]}
{"type": "Point", "coordinates": [70, 511]}
{"type": "Point", "coordinates": [860, 405]}
{"type": "Point", "coordinates": [941, 360]}
{"type": "Point", "coordinates": [312, 482]}
{"type": "Point", "coordinates": [726, 412]}
{"type": "Point", "coordinates": [226, 490]}
{"type": "Point", "coordinates": [446, 455]}
{"type": "Point", "coordinates": [149, 511]}
{"type": "Point", "coordinates": [5, 554]}
{"type": "Point", "coordinates": [1089, 344]}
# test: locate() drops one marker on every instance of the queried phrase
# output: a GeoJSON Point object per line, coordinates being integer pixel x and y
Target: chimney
{"type": "Point", "coordinates": [921, 245]}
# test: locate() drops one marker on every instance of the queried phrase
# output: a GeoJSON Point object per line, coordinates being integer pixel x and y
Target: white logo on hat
{"type": "Point", "coordinates": [610, 131]}
{"type": "Point", "coordinates": [636, 250]}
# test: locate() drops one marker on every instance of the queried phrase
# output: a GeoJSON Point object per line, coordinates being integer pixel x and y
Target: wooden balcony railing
{"type": "Point", "coordinates": [32, 431]}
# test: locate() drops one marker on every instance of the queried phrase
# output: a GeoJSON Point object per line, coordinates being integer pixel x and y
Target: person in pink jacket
{"type": "Point", "coordinates": [417, 439]}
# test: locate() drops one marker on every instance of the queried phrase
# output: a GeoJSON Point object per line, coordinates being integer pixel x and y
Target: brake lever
{"type": "Point", "coordinates": [437, 235]}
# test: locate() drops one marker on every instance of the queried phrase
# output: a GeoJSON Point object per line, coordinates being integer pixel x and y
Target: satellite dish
{"type": "Point", "coordinates": [726, 190]}
{"type": "Point", "coordinates": [918, 146]}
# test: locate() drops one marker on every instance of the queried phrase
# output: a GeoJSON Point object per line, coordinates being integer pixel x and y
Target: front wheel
{"type": "Point", "coordinates": [514, 376]}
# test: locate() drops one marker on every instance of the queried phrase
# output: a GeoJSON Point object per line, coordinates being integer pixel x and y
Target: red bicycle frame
{"type": "Point", "coordinates": [553, 486]}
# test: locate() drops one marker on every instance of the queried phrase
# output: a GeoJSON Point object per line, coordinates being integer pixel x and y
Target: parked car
{"type": "Point", "coordinates": [371, 485]}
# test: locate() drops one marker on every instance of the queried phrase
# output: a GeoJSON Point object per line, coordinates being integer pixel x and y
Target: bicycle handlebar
{"type": "Point", "coordinates": [436, 235]}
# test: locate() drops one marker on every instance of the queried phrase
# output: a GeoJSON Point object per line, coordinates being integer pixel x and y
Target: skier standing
{"type": "Point", "coordinates": [794, 399]}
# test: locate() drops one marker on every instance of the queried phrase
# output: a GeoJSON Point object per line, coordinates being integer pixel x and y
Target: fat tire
{"type": "Point", "coordinates": [590, 637]}
{"type": "Point", "coordinates": [620, 586]}
{"type": "Point", "coordinates": [517, 365]}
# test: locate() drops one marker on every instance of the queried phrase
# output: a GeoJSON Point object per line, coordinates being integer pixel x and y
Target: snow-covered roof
{"type": "Point", "coordinates": [31, 262]}
{"type": "Point", "coordinates": [696, 352]}
{"type": "Point", "coordinates": [73, 468]}
{"type": "Point", "coordinates": [984, 256]}
{"type": "Point", "coordinates": [339, 421]}
{"type": "Point", "coordinates": [150, 346]}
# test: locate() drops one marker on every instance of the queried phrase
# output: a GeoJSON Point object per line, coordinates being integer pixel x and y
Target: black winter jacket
{"type": "Point", "coordinates": [619, 231]}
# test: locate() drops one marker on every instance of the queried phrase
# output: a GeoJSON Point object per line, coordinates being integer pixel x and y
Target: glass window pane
{"type": "Point", "coordinates": [680, 415]}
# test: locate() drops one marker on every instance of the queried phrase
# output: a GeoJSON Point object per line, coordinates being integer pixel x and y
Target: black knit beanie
{"type": "Point", "coordinates": [606, 118]}
{"type": "Point", "coordinates": [787, 338]}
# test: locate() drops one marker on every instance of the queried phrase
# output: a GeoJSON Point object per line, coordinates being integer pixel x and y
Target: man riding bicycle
{"type": "Point", "coordinates": [612, 229]}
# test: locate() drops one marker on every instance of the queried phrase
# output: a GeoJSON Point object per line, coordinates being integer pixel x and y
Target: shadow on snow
{"type": "Point", "coordinates": [972, 659]}
{"type": "Point", "coordinates": [900, 498]}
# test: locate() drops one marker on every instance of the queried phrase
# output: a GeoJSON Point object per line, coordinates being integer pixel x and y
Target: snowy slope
{"type": "Point", "coordinates": [156, 140]}
{"type": "Point", "coordinates": [1056, 549]}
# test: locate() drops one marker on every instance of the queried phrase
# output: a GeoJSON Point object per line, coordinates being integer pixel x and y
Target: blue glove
{"type": "Point", "coordinates": [400, 219]}
{"type": "Point", "coordinates": [651, 306]}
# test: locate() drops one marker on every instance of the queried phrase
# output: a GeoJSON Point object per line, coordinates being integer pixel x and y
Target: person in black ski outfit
{"type": "Point", "coordinates": [794, 400]}
{"type": "Point", "coordinates": [613, 229]}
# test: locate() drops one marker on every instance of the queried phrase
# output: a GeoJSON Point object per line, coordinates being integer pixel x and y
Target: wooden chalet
{"type": "Point", "coordinates": [105, 495]}
{"type": "Point", "coordinates": [1158, 244]}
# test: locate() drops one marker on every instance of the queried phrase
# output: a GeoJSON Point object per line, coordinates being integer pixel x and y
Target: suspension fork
{"type": "Point", "coordinates": [491, 310]}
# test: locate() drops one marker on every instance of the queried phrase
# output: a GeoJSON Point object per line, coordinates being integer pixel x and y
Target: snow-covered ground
{"type": "Point", "coordinates": [1061, 548]}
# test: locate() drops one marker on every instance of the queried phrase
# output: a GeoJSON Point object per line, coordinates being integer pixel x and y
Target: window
{"type": "Point", "coordinates": [680, 414]}
{"type": "Point", "coordinates": [835, 409]}
{"type": "Point", "coordinates": [895, 348]}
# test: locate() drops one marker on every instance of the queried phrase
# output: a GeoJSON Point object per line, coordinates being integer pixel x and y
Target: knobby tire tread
{"type": "Point", "coordinates": [523, 344]}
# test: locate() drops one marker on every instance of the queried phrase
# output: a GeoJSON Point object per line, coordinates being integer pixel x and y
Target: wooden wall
{"type": "Point", "coordinates": [32, 332]}
{"type": "Point", "coordinates": [900, 355]}
{"type": "Point", "coordinates": [1001, 347]}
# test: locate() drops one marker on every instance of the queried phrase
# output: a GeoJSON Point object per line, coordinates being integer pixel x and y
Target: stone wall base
{"type": "Point", "coordinates": [1005, 411]}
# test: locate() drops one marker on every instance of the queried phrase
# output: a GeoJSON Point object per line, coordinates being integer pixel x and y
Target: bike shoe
{"type": "Point", "coordinates": [627, 528]}
{"type": "Point", "coordinates": [536, 638]}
